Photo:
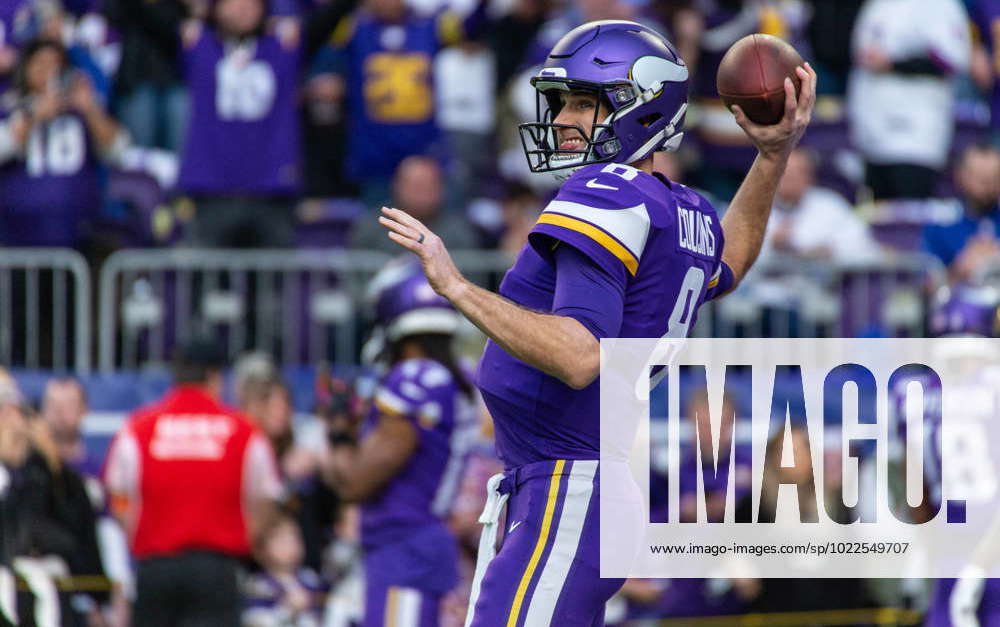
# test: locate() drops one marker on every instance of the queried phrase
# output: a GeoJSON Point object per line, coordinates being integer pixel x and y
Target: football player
{"type": "Point", "coordinates": [972, 599]}
{"type": "Point", "coordinates": [406, 468]}
{"type": "Point", "coordinates": [620, 252]}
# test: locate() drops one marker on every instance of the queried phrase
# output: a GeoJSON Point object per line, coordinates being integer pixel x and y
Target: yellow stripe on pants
{"type": "Point", "coordinates": [543, 536]}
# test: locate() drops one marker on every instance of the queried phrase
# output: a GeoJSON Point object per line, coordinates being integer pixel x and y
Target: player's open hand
{"type": "Point", "coordinates": [778, 140]}
{"type": "Point", "coordinates": [412, 235]}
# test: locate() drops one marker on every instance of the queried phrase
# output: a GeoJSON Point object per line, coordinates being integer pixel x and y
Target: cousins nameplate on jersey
{"type": "Point", "coordinates": [695, 231]}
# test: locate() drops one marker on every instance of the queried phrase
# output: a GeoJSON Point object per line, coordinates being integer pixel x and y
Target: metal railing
{"type": "Point", "coordinates": [789, 297]}
{"type": "Point", "coordinates": [281, 301]}
{"type": "Point", "coordinates": [306, 306]}
{"type": "Point", "coordinates": [38, 290]}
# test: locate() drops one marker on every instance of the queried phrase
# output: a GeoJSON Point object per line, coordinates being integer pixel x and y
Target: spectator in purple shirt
{"type": "Point", "coordinates": [241, 156]}
{"type": "Point", "coordinates": [54, 136]}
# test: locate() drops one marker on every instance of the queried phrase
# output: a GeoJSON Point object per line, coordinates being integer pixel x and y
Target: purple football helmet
{"type": "Point", "coordinates": [406, 304]}
{"type": "Point", "coordinates": [638, 76]}
{"type": "Point", "coordinates": [966, 310]}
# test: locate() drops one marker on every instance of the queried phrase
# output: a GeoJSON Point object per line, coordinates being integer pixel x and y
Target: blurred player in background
{"type": "Point", "coordinates": [406, 467]}
{"type": "Point", "coordinates": [620, 252]}
{"type": "Point", "coordinates": [964, 311]}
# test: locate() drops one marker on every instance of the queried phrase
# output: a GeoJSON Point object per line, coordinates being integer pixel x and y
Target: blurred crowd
{"type": "Point", "coordinates": [67, 534]}
{"type": "Point", "coordinates": [287, 123]}
{"type": "Point", "coordinates": [79, 559]}
{"type": "Point", "coordinates": [281, 123]}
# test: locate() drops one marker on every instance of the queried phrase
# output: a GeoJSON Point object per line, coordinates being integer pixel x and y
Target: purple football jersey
{"type": "Point", "coordinates": [50, 191]}
{"type": "Point", "coordinates": [243, 133]}
{"type": "Point", "coordinates": [425, 393]}
{"type": "Point", "coordinates": [950, 448]}
{"type": "Point", "coordinates": [663, 240]}
{"type": "Point", "coordinates": [932, 399]}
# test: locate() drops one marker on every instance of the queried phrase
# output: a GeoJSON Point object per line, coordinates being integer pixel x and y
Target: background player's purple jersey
{"type": "Point", "coordinates": [931, 433]}
{"type": "Point", "coordinates": [425, 393]}
{"type": "Point", "coordinates": [980, 406]}
{"type": "Point", "coordinates": [243, 134]}
{"type": "Point", "coordinates": [661, 240]}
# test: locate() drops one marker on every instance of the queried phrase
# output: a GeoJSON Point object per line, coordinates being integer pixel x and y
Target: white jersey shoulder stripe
{"type": "Point", "coordinates": [387, 401]}
{"type": "Point", "coordinates": [629, 226]}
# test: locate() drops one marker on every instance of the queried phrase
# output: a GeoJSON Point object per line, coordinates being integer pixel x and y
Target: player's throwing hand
{"type": "Point", "coordinates": [778, 140]}
{"type": "Point", "coordinates": [412, 235]}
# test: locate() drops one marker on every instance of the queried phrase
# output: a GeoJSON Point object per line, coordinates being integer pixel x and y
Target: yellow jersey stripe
{"type": "Point", "coordinates": [594, 233]}
{"type": "Point", "coordinates": [713, 282]}
{"type": "Point", "coordinates": [543, 536]}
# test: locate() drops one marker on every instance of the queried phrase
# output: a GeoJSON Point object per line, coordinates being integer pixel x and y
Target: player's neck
{"type": "Point", "coordinates": [646, 165]}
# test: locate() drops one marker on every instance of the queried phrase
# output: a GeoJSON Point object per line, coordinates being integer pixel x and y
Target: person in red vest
{"type": "Point", "coordinates": [191, 480]}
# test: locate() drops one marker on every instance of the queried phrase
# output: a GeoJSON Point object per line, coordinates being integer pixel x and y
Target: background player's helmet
{"type": "Point", "coordinates": [406, 304]}
{"type": "Point", "coordinates": [966, 311]}
{"type": "Point", "coordinates": [636, 73]}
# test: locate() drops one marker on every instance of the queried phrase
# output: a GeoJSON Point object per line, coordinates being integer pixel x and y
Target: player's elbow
{"type": "Point", "coordinates": [583, 368]}
{"type": "Point", "coordinates": [579, 381]}
{"type": "Point", "coordinates": [570, 353]}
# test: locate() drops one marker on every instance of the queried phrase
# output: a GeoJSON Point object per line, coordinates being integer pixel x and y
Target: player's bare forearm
{"type": "Point", "coordinates": [557, 345]}
{"type": "Point", "coordinates": [357, 472]}
{"type": "Point", "coordinates": [746, 220]}
{"type": "Point", "coordinates": [339, 472]}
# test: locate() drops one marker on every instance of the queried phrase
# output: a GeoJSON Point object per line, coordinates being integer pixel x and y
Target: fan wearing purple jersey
{"type": "Point", "coordinates": [240, 160]}
{"type": "Point", "coordinates": [406, 469]}
{"type": "Point", "coordinates": [54, 137]}
{"type": "Point", "coordinates": [620, 252]}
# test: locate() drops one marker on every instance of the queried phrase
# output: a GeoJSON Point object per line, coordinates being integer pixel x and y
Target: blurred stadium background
{"type": "Point", "coordinates": [137, 201]}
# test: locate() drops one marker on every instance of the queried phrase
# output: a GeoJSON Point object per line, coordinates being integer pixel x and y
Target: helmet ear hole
{"type": "Point", "coordinates": [651, 119]}
{"type": "Point", "coordinates": [605, 103]}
